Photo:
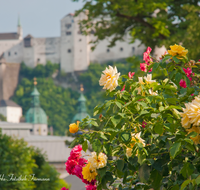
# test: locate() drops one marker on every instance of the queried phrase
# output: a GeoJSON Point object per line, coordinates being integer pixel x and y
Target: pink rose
{"type": "Point", "coordinates": [148, 50]}
{"type": "Point", "coordinates": [64, 188]}
{"type": "Point", "coordinates": [182, 83]}
{"type": "Point", "coordinates": [130, 75]}
{"type": "Point", "coordinates": [91, 187]}
{"type": "Point", "coordinates": [144, 124]}
{"type": "Point", "coordinates": [143, 67]}
{"type": "Point", "coordinates": [70, 165]}
{"type": "Point", "coordinates": [188, 71]}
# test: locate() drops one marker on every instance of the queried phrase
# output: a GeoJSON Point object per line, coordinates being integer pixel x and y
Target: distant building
{"type": "Point", "coordinates": [71, 49]}
{"type": "Point", "coordinates": [36, 115]}
{"type": "Point", "coordinates": [10, 110]}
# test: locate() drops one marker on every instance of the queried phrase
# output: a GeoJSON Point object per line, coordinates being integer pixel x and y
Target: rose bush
{"type": "Point", "coordinates": [148, 133]}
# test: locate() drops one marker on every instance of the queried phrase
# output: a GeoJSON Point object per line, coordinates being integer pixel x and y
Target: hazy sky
{"type": "Point", "coordinates": [40, 18]}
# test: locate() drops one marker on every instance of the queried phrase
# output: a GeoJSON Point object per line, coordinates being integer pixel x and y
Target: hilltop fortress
{"type": "Point", "coordinates": [72, 49]}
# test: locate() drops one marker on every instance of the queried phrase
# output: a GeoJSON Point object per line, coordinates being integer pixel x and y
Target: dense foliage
{"type": "Point", "coordinates": [149, 130]}
{"type": "Point", "coordinates": [19, 164]}
{"type": "Point", "coordinates": [60, 104]}
{"type": "Point", "coordinates": [154, 22]}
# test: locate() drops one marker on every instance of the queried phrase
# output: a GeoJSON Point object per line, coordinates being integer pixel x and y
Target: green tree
{"type": "Point", "coordinates": [60, 104]}
{"type": "Point", "coordinates": [154, 22]}
{"type": "Point", "coordinates": [2, 118]}
{"type": "Point", "coordinates": [19, 160]}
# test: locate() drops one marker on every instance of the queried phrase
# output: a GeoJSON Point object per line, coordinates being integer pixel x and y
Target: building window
{"type": "Point", "coordinates": [44, 130]}
{"type": "Point", "coordinates": [27, 42]}
{"type": "Point", "coordinates": [9, 53]}
{"type": "Point", "coordinates": [92, 32]}
{"type": "Point", "coordinates": [31, 130]}
{"type": "Point", "coordinates": [68, 33]}
{"type": "Point", "coordinates": [121, 49]}
{"type": "Point", "coordinates": [133, 49]}
{"type": "Point", "coordinates": [69, 50]}
{"type": "Point", "coordinates": [15, 53]}
{"type": "Point", "coordinates": [79, 32]}
{"type": "Point", "coordinates": [38, 60]}
{"type": "Point", "coordinates": [68, 26]}
{"type": "Point", "coordinates": [108, 50]}
{"type": "Point", "coordinates": [80, 40]}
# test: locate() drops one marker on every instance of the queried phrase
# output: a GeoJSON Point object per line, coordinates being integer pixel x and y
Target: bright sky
{"type": "Point", "coordinates": [40, 18]}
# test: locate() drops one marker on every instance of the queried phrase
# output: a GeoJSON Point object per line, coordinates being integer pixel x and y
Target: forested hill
{"type": "Point", "coordinates": [59, 103]}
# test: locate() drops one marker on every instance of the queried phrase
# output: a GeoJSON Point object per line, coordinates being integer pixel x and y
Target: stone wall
{"type": "Point", "coordinates": [8, 79]}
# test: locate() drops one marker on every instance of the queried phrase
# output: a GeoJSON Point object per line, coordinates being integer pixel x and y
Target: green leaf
{"type": "Point", "coordinates": [96, 145]}
{"type": "Point", "coordinates": [125, 137]}
{"type": "Point", "coordinates": [107, 149]}
{"type": "Point", "coordinates": [192, 134]}
{"type": "Point", "coordinates": [103, 183]}
{"type": "Point", "coordinates": [119, 105]}
{"type": "Point", "coordinates": [155, 66]}
{"type": "Point", "coordinates": [185, 183]}
{"type": "Point", "coordinates": [144, 173]}
{"type": "Point", "coordinates": [158, 128]}
{"type": "Point", "coordinates": [101, 171]}
{"type": "Point", "coordinates": [94, 123]}
{"type": "Point", "coordinates": [166, 58]}
{"type": "Point", "coordinates": [109, 176]}
{"type": "Point", "coordinates": [178, 77]}
{"type": "Point", "coordinates": [175, 59]}
{"type": "Point", "coordinates": [174, 149]}
{"type": "Point", "coordinates": [85, 146]}
{"type": "Point", "coordinates": [176, 187]}
{"type": "Point", "coordinates": [157, 178]}
{"type": "Point", "coordinates": [197, 180]}
{"type": "Point", "coordinates": [115, 120]}
{"type": "Point", "coordinates": [120, 165]}
{"type": "Point", "coordinates": [103, 136]}
{"type": "Point", "coordinates": [187, 81]}
{"type": "Point", "coordinates": [125, 176]}
{"type": "Point", "coordinates": [172, 74]}
{"type": "Point", "coordinates": [163, 64]}
{"type": "Point", "coordinates": [187, 170]}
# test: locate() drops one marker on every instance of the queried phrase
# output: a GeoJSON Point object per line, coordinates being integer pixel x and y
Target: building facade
{"type": "Point", "coordinates": [11, 111]}
{"type": "Point", "coordinates": [71, 49]}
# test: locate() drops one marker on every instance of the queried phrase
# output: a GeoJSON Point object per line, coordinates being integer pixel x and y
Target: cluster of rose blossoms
{"type": "Point", "coordinates": [75, 164]}
{"type": "Point", "coordinates": [148, 60]}
{"type": "Point", "coordinates": [188, 73]}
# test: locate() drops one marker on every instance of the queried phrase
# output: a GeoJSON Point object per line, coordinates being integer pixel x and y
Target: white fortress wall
{"type": "Point", "coordinates": [122, 49]}
{"type": "Point", "coordinates": [6, 45]}
{"type": "Point", "coordinates": [53, 49]}
{"type": "Point", "coordinates": [29, 56]}
{"type": "Point", "coordinates": [15, 53]}
{"type": "Point", "coordinates": [81, 46]}
{"type": "Point", "coordinates": [67, 43]}
{"type": "Point", "coordinates": [40, 51]}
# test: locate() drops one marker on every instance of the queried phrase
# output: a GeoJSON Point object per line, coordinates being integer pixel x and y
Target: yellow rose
{"type": "Point", "coordinates": [177, 50]}
{"type": "Point", "coordinates": [73, 128]}
{"type": "Point", "coordinates": [89, 173]}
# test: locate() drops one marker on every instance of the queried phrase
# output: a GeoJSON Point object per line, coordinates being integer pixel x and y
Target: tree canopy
{"type": "Point", "coordinates": [18, 161]}
{"type": "Point", "coordinates": [154, 22]}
